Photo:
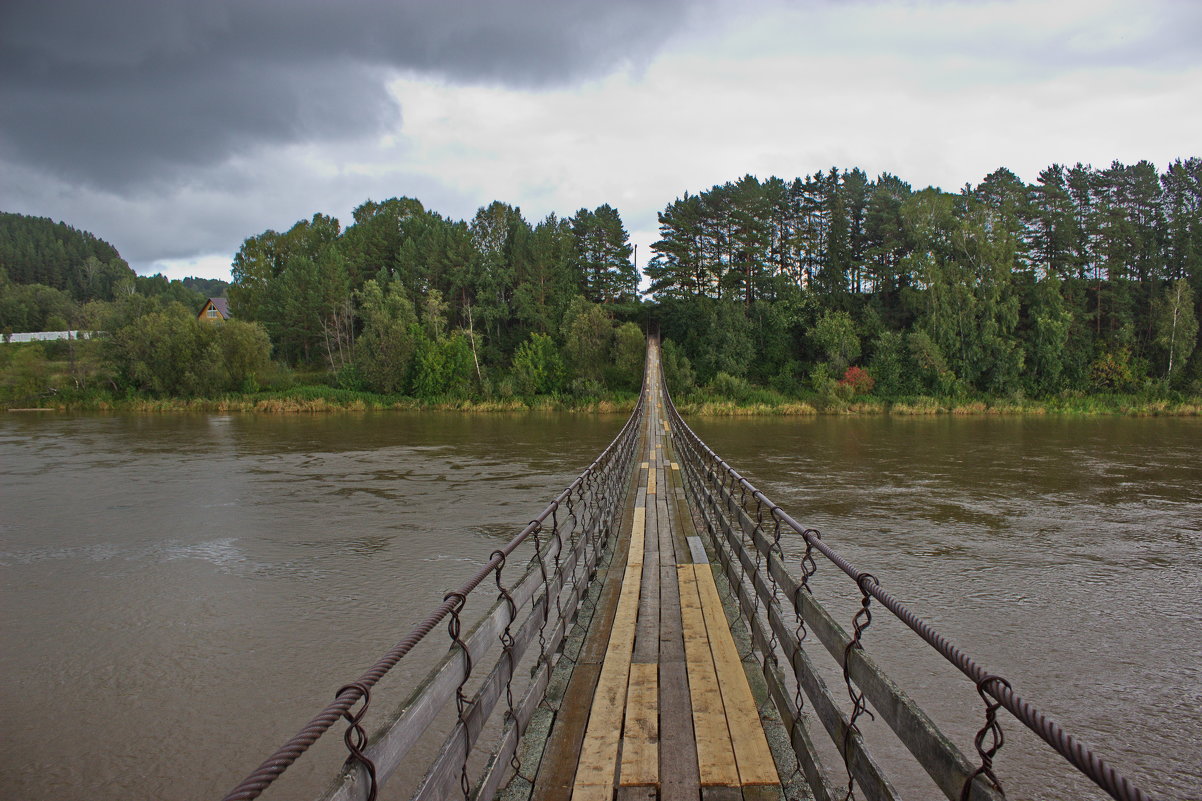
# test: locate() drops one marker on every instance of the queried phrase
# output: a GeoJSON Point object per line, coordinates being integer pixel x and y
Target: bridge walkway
{"type": "Point", "coordinates": [658, 705]}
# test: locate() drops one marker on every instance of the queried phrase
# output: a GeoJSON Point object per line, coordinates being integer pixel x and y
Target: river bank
{"type": "Point", "coordinates": [316, 399]}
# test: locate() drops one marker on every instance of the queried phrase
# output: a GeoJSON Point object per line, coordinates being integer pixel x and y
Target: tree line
{"type": "Point", "coordinates": [405, 300]}
{"type": "Point", "coordinates": [1086, 280]}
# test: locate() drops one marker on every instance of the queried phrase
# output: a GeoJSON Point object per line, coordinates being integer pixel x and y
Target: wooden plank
{"type": "Point", "coordinates": [494, 773]}
{"type": "Point", "coordinates": [671, 635]}
{"type": "Point", "coordinates": [640, 734]}
{"type": "Point", "coordinates": [597, 641]}
{"type": "Point", "coordinates": [637, 794]}
{"type": "Point", "coordinates": [715, 756]}
{"type": "Point", "coordinates": [697, 551]}
{"type": "Point", "coordinates": [646, 638]}
{"type": "Point", "coordinates": [803, 747]}
{"type": "Point", "coordinates": [635, 553]}
{"type": "Point", "coordinates": [651, 482]}
{"type": "Point", "coordinates": [592, 793]}
{"type": "Point", "coordinates": [681, 514]}
{"type": "Point", "coordinates": [445, 771]}
{"type": "Point", "coordinates": [867, 772]}
{"type": "Point", "coordinates": [935, 752]}
{"type": "Point", "coordinates": [678, 773]}
{"type": "Point", "coordinates": [752, 755]}
{"type": "Point", "coordinates": [667, 532]}
{"type": "Point", "coordinates": [407, 726]}
{"type": "Point", "coordinates": [498, 765]}
{"type": "Point", "coordinates": [599, 752]}
{"type": "Point", "coordinates": [558, 766]}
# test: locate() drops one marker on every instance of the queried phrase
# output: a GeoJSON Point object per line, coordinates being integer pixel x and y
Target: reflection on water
{"type": "Point", "coordinates": [181, 592]}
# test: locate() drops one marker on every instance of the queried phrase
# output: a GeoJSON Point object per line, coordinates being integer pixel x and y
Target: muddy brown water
{"type": "Point", "coordinates": [180, 593]}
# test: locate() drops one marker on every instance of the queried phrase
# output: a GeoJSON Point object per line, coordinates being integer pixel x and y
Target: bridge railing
{"type": "Point", "coordinates": [503, 662]}
{"type": "Point", "coordinates": [745, 529]}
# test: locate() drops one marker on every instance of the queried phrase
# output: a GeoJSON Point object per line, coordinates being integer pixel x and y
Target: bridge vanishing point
{"type": "Point", "coordinates": [643, 638]}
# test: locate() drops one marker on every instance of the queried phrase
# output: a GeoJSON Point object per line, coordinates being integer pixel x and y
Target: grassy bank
{"type": "Point", "coordinates": [82, 385]}
{"type": "Point", "coordinates": [316, 399]}
{"type": "Point", "coordinates": [1085, 405]}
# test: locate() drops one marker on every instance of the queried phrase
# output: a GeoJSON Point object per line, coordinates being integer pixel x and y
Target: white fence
{"type": "Point", "coordinates": [47, 336]}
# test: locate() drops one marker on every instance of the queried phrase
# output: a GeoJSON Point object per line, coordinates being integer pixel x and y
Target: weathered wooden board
{"type": "Point", "coordinates": [494, 771]}
{"type": "Point", "coordinates": [637, 532]}
{"type": "Point", "coordinates": [863, 767]}
{"type": "Point", "coordinates": [445, 772]}
{"type": "Point", "coordinates": [715, 756]}
{"type": "Point", "coordinates": [678, 772]}
{"type": "Point", "coordinates": [807, 755]}
{"type": "Point", "coordinates": [640, 733]}
{"type": "Point", "coordinates": [933, 750]}
{"type": "Point", "coordinates": [558, 767]}
{"type": "Point", "coordinates": [763, 792]}
{"type": "Point", "coordinates": [647, 633]}
{"type": "Point", "coordinates": [752, 755]}
{"type": "Point", "coordinates": [396, 737]}
{"type": "Point", "coordinates": [599, 751]}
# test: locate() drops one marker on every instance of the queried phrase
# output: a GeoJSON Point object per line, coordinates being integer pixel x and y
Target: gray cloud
{"type": "Point", "coordinates": [124, 93]}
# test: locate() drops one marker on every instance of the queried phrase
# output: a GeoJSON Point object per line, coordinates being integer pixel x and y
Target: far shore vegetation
{"type": "Point", "coordinates": [47, 376]}
{"type": "Point", "coordinates": [828, 294]}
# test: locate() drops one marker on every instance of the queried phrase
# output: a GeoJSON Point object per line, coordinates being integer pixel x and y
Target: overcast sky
{"type": "Point", "coordinates": [175, 129]}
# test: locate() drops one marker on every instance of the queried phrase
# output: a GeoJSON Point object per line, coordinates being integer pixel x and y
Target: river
{"type": "Point", "coordinates": [181, 592]}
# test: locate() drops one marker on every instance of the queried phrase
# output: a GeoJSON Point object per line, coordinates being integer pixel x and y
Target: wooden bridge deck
{"type": "Point", "coordinates": [658, 705]}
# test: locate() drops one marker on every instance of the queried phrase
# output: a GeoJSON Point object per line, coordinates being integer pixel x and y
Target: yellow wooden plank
{"type": "Point", "coordinates": [675, 466]}
{"type": "Point", "coordinates": [715, 756]}
{"type": "Point", "coordinates": [638, 533]}
{"type": "Point", "coordinates": [640, 737]}
{"type": "Point", "coordinates": [599, 752]}
{"type": "Point", "coordinates": [593, 792]}
{"type": "Point", "coordinates": [752, 755]}
{"type": "Point", "coordinates": [642, 465]}
{"type": "Point", "coordinates": [651, 483]}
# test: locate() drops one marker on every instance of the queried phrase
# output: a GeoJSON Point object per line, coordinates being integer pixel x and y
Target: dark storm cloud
{"type": "Point", "coordinates": [123, 92]}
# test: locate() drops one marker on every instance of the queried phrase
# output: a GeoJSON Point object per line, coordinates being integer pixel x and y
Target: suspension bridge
{"type": "Point", "coordinates": [645, 637]}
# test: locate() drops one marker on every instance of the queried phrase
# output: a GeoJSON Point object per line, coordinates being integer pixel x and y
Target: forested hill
{"type": "Point", "coordinates": [54, 277]}
{"type": "Point", "coordinates": [38, 250]}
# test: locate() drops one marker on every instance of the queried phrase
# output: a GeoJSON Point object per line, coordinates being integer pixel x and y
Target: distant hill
{"type": "Point", "coordinates": [38, 250]}
{"type": "Point", "coordinates": [209, 287]}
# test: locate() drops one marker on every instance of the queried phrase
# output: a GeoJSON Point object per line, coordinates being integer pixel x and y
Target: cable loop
{"type": "Point", "coordinates": [355, 737]}
{"type": "Point", "coordinates": [992, 730]}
